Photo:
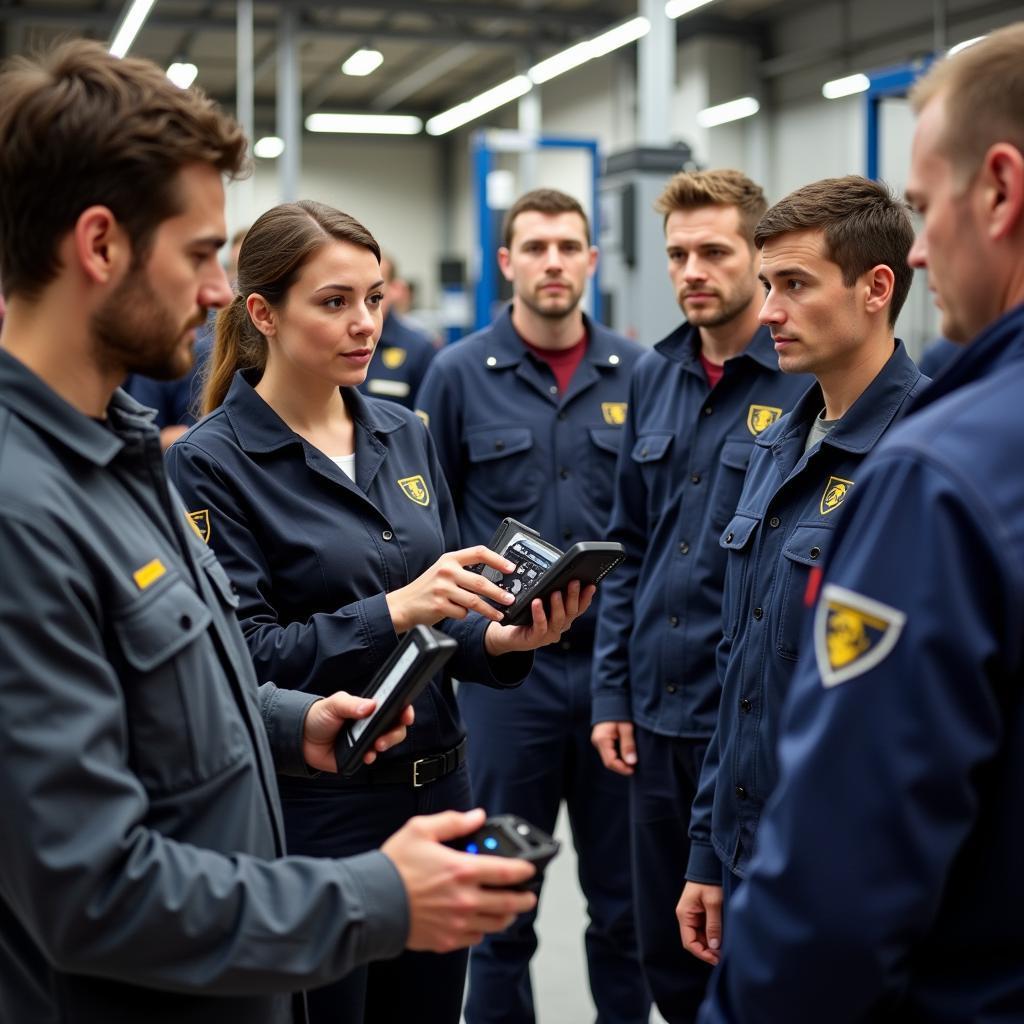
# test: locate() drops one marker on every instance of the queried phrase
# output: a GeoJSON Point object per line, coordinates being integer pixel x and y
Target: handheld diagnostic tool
{"type": "Point", "coordinates": [508, 835]}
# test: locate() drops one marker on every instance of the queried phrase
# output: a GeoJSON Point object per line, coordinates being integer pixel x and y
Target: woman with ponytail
{"type": "Point", "coordinates": [332, 517]}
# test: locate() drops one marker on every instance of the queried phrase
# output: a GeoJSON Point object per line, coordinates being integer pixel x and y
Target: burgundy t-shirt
{"type": "Point", "coordinates": [563, 361]}
{"type": "Point", "coordinates": [713, 370]}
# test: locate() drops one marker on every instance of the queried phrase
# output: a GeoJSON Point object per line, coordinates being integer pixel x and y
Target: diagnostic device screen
{"type": "Point", "coordinates": [393, 678]}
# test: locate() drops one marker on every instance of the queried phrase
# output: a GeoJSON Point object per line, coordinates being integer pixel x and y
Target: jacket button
{"type": "Point", "coordinates": [745, 706]}
{"type": "Point", "coordinates": [684, 548]}
{"type": "Point", "coordinates": [564, 473]}
{"type": "Point", "coordinates": [643, 453]}
{"type": "Point", "coordinates": [673, 621]}
{"type": "Point", "coordinates": [774, 522]}
{"type": "Point", "coordinates": [758, 613]}
{"type": "Point", "coordinates": [741, 793]}
{"type": "Point", "coordinates": [695, 478]}
{"type": "Point", "coordinates": [553, 389]}
{"type": "Point", "coordinates": [566, 645]}
{"type": "Point", "coordinates": [562, 417]}
{"type": "Point", "coordinates": [499, 446]}
{"type": "Point", "coordinates": [707, 410]}
{"type": "Point", "coordinates": [728, 537]}
{"type": "Point", "coordinates": [814, 552]}
{"type": "Point", "coordinates": [567, 534]}
{"type": "Point", "coordinates": [671, 688]}
{"type": "Point", "coordinates": [185, 622]}
{"type": "Point", "coordinates": [387, 535]}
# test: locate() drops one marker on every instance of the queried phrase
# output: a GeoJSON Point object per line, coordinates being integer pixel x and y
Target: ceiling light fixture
{"type": "Point", "coordinates": [848, 86]}
{"type": "Point", "coordinates": [723, 113]}
{"type": "Point", "coordinates": [365, 124]}
{"type": "Point", "coordinates": [677, 8]}
{"type": "Point", "coordinates": [463, 113]}
{"type": "Point", "coordinates": [270, 147]}
{"type": "Point", "coordinates": [362, 63]}
{"type": "Point", "coordinates": [128, 28]}
{"type": "Point", "coordinates": [182, 73]}
{"type": "Point", "coordinates": [572, 57]}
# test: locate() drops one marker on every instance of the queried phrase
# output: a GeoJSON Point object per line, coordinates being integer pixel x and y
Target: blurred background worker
{"type": "Point", "coordinates": [527, 417]}
{"type": "Point", "coordinates": [697, 402]}
{"type": "Point", "coordinates": [887, 882]}
{"type": "Point", "coordinates": [403, 352]}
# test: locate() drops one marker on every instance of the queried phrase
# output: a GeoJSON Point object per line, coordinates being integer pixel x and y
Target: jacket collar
{"type": "Point", "coordinates": [259, 429]}
{"type": "Point", "coordinates": [505, 348]}
{"type": "Point", "coordinates": [866, 420]}
{"type": "Point", "coordinates": [683, 346]}
{"type": "Point", "coordinates": [34, 401]}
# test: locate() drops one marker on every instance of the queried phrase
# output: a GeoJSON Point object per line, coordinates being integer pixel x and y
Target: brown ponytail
{"type": "Point", "coordinates": [273, 252]}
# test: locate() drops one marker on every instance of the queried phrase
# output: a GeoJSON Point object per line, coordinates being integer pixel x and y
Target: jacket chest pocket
{"type": "Point", "coordinates": [601, 452]}
{"type": "Point", "coordinates": [802, 552]}
{"type": "Point", "coordinates": [728, 483]}
{"type": "Point", "coordinates": [504, 473]}
{"type": "Point", "coordinates": [736, 540]}
{"type": "Point", "coordinates": [652, 455]}
{"type": "Point", "coordinates": [183, 724]}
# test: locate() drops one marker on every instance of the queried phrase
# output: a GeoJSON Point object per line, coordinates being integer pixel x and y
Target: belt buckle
{"type": "Point", "coordinates": [416, 773]}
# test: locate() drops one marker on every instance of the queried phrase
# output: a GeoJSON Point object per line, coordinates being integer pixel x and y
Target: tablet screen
{"type": "Point", "coordinates": [386, 688]}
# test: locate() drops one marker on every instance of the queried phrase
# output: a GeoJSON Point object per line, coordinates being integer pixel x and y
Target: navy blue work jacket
{"type": "Point", "coordinates": [512, 446]}
{"type": "Point", "coordinates": [399, 363]}
{"type": "Point", "coordinates": [685, 451]}
{"type": "Point", "coordinates": [784, 523]}
{"type": "Point", "coordinates": [887, 882]}
{"type": "Point", "coordinates": [313, 554]}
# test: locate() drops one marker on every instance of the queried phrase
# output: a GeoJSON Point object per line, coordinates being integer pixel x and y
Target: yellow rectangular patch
{"type": "Point", "coordinates": [149, 574]}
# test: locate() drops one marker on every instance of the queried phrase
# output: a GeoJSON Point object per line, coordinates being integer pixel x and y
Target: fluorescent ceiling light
{"type": "Point", "coordinates": [487, 101]}
{"type": "Point", "coordinates": [363, 62]}
{"type": "Point", "coordinates": [677, 8]}
{"type": "Point", "coordinates": [963, 45]}
{"type": "Point", "coordinates": [129, 27]}
{"type": "Point", "coordinates": [365, 124]}
{"type": "Point", "coordinates": [270, 147]}
{"type": "Point", "coordinates": [580, 53]}
{"type": "Point", "coordinates": [847, 86]}
{"type": "Point", "coordinates": [746, 106]}
{"type": "Point", "coordinates": [182, 74]}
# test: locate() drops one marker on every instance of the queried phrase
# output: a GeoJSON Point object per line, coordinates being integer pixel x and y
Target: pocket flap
{"type": "Point", "coordinates": [651, 447]}
{"type": "Point", "coordinates": [160, 624]}
{"type": "Point", "coordinates": [736, 454]}
{"type": "Point", "coordinates": [737, 534]}
{"type": "Point", "coordinates": [607, 438]}
{"type": "Point", "coordinates": [807, 544]}
{"type": "Point", "coordinates": [498, 442]}
{"type": "Point", "coordinates": [221, 580]}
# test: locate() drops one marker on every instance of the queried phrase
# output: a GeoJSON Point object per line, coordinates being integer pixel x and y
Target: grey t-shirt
{"type": "Point", "coordinates": [819, 429]}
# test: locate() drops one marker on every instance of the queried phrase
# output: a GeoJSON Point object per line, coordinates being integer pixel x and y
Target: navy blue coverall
{"type": "Point", "coordinates": [512, 446]}
{"type": "Point", "coordinates": [312, 555]}
{"type": "Point", "coordinates": [399, 363]}
{"type": "Point", "coordinates": [887, 885]}
{"type": "Point", "coordinates": [784, 523]}
{"type": "Point", "coordinates": [684, 453]}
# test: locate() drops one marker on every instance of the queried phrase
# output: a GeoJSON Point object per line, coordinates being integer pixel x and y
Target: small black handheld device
{"type": "Point", "coordinates": [508, 835]}
{"type": "Point", "coordinates": [541, 568]}
{"type": "Point", "coordinates": [400, 680]}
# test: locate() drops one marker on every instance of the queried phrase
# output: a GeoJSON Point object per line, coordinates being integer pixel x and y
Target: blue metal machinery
{"type": "Point", "coordinates": [888, 83]}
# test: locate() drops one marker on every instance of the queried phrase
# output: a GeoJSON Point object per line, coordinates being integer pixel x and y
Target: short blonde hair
{"type": "Point", "coordinates": [982, 88]}
{"type": "Point", "coordinates": [689, 190]}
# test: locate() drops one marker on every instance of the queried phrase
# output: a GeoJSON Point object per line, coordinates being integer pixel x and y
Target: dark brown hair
{"type": "Point", "coordinates": [542, 200]}
{"type": "Point", "coordinates": [690, 190]}
{"type": "Point", "coordinates": [78, 128]}
{"type": "Point", "coordinates": [982, 88]}
{"type": "Point", "coordinates": [273, 252]}
{"type": "Point", "coordinates": [863, 223]}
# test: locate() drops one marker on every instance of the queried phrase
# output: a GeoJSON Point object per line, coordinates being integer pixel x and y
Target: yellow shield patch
{"type": "Point", "coordinates": [761, 417]}
{"type": "Point", "coordinates": [835, 491]}
{"type": "Point", "coordinates": [392, 358]}
{"type": "Point", "coordinates": [852, 634]}
{"type": "Point", "coordinates": [415, 488]}
{"type": "Point", "coordinates": [200, 522]}
{"type": "Point", "coordinates": [424, 416]}
{"type": "Point", "coordinates": [614, 413]}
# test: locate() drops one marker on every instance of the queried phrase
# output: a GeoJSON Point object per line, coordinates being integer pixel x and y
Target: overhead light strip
{"type": "Point", "coordinates": [677, 8]}
{"type": "Point", "coordinates": [365, 124]}
{"type": "Point", "coordinates": [579, 53]}
{"type": "Point", "coordinates": [723, 113]}
{"type": "Point", "coordinates": [182, 73]}
{"type": "Point", "coordinates": [362, 62]}
{"type": "Point", "coordinates": [848, 86]}
{"type": "Point", "coordinates": [132, 21]}
{"type": "Point", "coordinates": [476, 107]}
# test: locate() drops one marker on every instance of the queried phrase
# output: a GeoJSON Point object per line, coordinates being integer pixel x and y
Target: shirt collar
{"type": "Point", "coordinates": [259, 429]}
{"type": "Point", "coordinates": [505, 348]}
{"type": "Point", "coordinates": [34, 401]}
{"type": "Point", "coordinates": [683, 346]}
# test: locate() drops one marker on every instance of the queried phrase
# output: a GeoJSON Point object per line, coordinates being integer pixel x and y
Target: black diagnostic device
{"type": "Point", "coordinates": [541, 568]}
{"type": "Point", "coordinates": [400, 680]}
{"type": "Point", "coordinates": [508, 835]}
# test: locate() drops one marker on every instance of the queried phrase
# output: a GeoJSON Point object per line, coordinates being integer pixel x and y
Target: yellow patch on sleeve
{"type": "Point", "coordinates": [852, 634]}
{"type": "Point", "coordinates": [149, 574]}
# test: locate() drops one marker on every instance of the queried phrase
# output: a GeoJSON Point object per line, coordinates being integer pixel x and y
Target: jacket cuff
{"type": "Point", "coordinates": [611, 706]}
{"type": "Point", "coordinates": [503, 671]}
{"type": "Point", "coordinates": [376, 618]}
{"type": "Point", "coordinates": [284, 718]}
{"type": "Point", "coordinates": [384, 903]}
{"type": "Point", "coordinates": [704, 864]}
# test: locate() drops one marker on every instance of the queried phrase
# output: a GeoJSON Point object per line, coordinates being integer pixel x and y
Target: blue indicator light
{"type": "Point", "coordinates": [491, 843]}
{"type": "Point", "coordinates": [472, 848]}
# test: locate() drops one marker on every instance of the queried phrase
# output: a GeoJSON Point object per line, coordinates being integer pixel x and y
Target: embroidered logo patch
{"type": "Point", "coordinates": [835, 491]}
{"type": "Point", "coordinates": [614, 413]}
{"type": "Point", "coordinates": [392, 357]}
{"type": "Point", "coordinates": [852, 634]}
{"type": "Point", "coordinates": [149, 574]}
{"type": "Point", "coordinates": [200, 522]}
{"type": "Point", "coordinates": [425, 417]}
{"type": "Point", "coordinates": [761, 417]}
{"type": "Point", "coordinates": [415, 488]}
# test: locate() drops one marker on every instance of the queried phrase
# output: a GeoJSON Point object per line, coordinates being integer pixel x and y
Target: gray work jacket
{"type": "Point", "coordinates": [141, 843]}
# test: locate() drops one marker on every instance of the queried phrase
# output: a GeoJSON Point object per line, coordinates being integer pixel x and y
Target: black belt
{"type": "Point", "coordinates": [420, 772]}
